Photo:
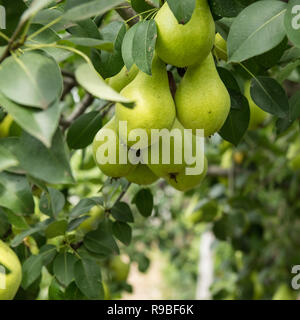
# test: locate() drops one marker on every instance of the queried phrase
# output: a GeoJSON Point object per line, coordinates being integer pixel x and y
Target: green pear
{"type": "Point", "coordinates": [119, 269]}
{"type": "Point", "coordinates": [257, 115]}
{"type": "Point", "coordinates": [183, 182]}
{"type": "Point", "coordinates": [117, 169]}
{"type": "Point", "coordinates": [154, 105]}
{"type": "Point", "coordinates": [183, 45]}
{"type": "Point", "coordinates": [142, 175]}
{"type": "Point", "coordinates": [91, 223]}
{"type": "Point", "coordinates": [176, 163]}
{"type": "Point", "coordinates": [123, 78]}
{"type": "Point", "coordinates": [10, 280]}
{"type": "Point", "coordinates": [202, 100]}
{"type": "Point", "coordinates": [5, 126]}
{"type": "Point", "coordinates": [220, 48]}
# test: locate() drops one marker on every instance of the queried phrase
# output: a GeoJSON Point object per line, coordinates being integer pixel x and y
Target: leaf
{"type": "Point", "coordinates": [228, 79]}
{"type": "Point", "coordinates": [55, 291]}
{"type": "Point", "coordinates": [63, 268]}
{"type": "Point", "coordinates": [17, 220]}
{"type": "Point", "coordinates": [47, 16]}
{"type": "Point", "coordinates": [31, 270]}
{"type": "Point", "coordinates": [144, 202]}
{"type": "Point", "coordinates": [182, 10]}
{"type": "Point", "coordinates": [83, 130]}
{"type": "Point", "coordinates": [35, 7]}
{"type": "Point", "coordinates": [101, 240]}
{"type": "Point", "coordinates": [90, 9]}
{"type": "Point", "coordinates": [57, 201]}
{"type": "Point", "coordinates": [84, 206]}
{"type": "Point", "coordinates": [40, 124]}
{"type": "Point", "coordinates": [37, 228]}
{"type": "Point", "coordinates": [141, 6]}
{"type": "Point", "coordinates": [262, 31]}
{"type": "Point", "coordinates": [85, 29]}
{"type": "Point", "coordinates": [48, 253]}
{"type": "Point", "coordinates": [144, 44]}
{"type": "Point", "coordinates": [122, 212]}
{"type": "Point", "coordinates": [88, 278]}
{"type": "Point", "coordinates": [237, 121]}
{"type": "Point", "coordinates": [228, 8]}
{"type": "Point", "coordinates": [92, 82]}
{"type": "Point", "coordinates": [108, 64]}
{"type": "Point", "coordinates": [39, 82]}
{"type": "Point", "coordinates": [7, 159]}
{"type": "Point", "coordinates": [50, 165]}
{"type": "Point", "coordinates": [122, 231]}
{"type": "Point", "coordinates": [127, 47]}
{"type": "Point", "coordinates": [269, 95]}
{"type": "Point", "coordinates": [292, 22]}
{"type": "Point", "coordinates": [89, 42]}
{"type": "Point", "coordinates": [72, 292]}
{"type": "Point", "coordinates": [15, 193]}
{"type": "Point", "coordinates": [56, 228]}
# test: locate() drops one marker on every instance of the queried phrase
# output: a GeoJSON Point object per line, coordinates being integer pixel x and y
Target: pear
{"type": "Point", "coordinates": [11, 278]}
{"type": "Point", "coordinates": [257, 115]}
{"type": "Point", "coordinates": [142, 175]}
{"type": "Point", "coordinates": [5, 126]}
{"type": "Point", "coordinates": [202, 100]}
{"type": "Point", "coordinates": [119, 269]}
{"type": "Point", "coordinates": [183, 182]}
{"type": "Point", "coordinates": [123, 78]}
{"type": "Point", "coordinates": [117, 169]}
{"type": "Point", "coordinates": [220, 47]}
{"type": "Point", "coordinates": [184, 45]}
{"type": "Point", "coordinates": [91, 223]}
{"type": "Point", "coordinates": [154, 105]}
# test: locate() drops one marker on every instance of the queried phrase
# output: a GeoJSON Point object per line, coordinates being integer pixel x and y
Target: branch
{"type": "Point", "coordinates": [128, 13]}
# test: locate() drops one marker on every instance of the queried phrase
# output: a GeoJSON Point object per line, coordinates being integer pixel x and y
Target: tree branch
{"type": "Point", "coordinates": [128, 13]}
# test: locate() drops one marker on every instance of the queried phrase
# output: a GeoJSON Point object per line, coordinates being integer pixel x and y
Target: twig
{"type": "Point", "coordinates": [127, 13]}
{"type": "Point", "coordinates": [122, 194]}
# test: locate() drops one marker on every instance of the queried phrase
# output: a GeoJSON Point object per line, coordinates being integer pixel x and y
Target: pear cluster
{"type": "Point", "coordinates": [201, 100]}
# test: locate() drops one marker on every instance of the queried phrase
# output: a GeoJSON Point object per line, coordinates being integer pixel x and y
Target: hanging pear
{"type": "Point", "coordinates": [202, 100]}
{"type": "Point", "coordinates": [104, 148]}
{"type": "Point", "coordinates": [182, 45]}
{"type": "Point", "coordinates": [257, 115]}
{"type": "Point", "coordinates": [142, 175]}
{"type": "Point", "coordinates": [154, 105]}
{"type": "Point", "coordinates": [123, 78]}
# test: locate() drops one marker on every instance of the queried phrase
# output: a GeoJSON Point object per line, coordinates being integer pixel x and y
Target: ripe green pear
{"type": "Point", "coordinates": [117, 169]}
{"type": "Point", "coordinates": [119, 269]}
{"type": "Point", "coordinates": [172, 167]}
{"type": "Point", "coordinates": [11, 279]}
{"type": "Point", "coordinates": [91, 223]}
{"type": "Point", "coordinates": [183, 182]}
{"type": "Point", "coordinates": [154, 105]}
{"type": "Point", "coordinates": [220, 47]}
{"type": "Point", "coordinates": [257, 115]}
{"type": "Point", "coordinates": [142, 175]}
{"type": "Point", "coordinates": [183, 45]}
{"type": "Point", "coordinates": [202, 100]}
{"type": "Point", "coordinates": [5, 126]}
{"type": "Point", "coordinates": [123, 78]}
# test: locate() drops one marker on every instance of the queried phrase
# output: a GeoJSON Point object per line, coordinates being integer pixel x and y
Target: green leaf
{"type": "Point", "coordinates": [228, 78]}
{"type": "Point", "coordinates": [84, 206]}
{"type": "Point", "coordinates": [46, 16]}
{"type": "Point", "coordinates": [83, 130]}
{"type": "Point", "coordinates": [92, 82]}
{"type": "Point", "coordinates": [15, 193]}
{"type": "Point", "coordinates": [56, 228]}
{"type": "Point", "coordinates": [31, 270]}
{"type": "Point", "coordinates": [90, 9]}
{"type": "Point", "coordinates": [228, 8]}
{"type": "Point", "coordinates": [16, 219]}
{"type": "Point", "coordinates": [144, 202]}
{"type": "Point", "coordinates": [141, 6]}
{"type": "Point", "coordinates": [122, 212]}
{"type": "Point", "coordinates": [72, 292]}
{"type": "Point", "coordinates": [55, 291]}
{"type": "Point", "coordinates": [256, 30]}
{"type": "Point", "coordinates": [48, 252]}
{"type": "Point", "coordinates": [89, 42]}
{"type": "Point", "coordinates": [57, 199]}
{"type": "Point", "coordinates": [63, 268]}
{"type": "Point", "coordinates": [182, 10]}
{"type": "Point", "coordinates": [237, 121]}
{"type": "Point", "coordinates": [40, 124]}
{"type": "Point", "coordinates": [50, 165]}
{"type": "Point", "coordinates": [39, 82]}
{"type": "Point", "coordinates": [144, 44]}
{"type": "Point", "coordinates": [35, 7]}
{"type": "Point", "coordinates": [292, 21]}
{"type": "Point", "coordinates": [7, 159]}
{"type": "Point", "coordinates": [101, 240]}
{"type": "Point", "coordinates": [85, 29]}
{"type": "Point", "coordinates": [88, 278]}
{"type": "Point", "coordinates": [127, 47]}
{"type": "Point", "coordinates": [123, 232]}
{"type": "Point", "coordinates": [269, 95]}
